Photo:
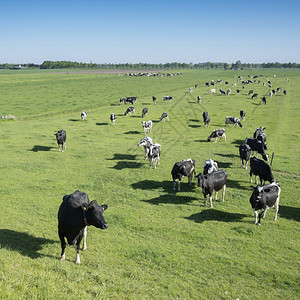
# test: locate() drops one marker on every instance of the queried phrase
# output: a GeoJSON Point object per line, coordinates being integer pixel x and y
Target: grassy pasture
{"type": "Point", "coordinates": [160, 244]}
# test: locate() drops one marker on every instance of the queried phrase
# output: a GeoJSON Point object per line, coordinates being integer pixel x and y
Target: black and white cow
{"type": "Point", "coordinates": [245, 152]}
{"type": "Point", "coordinates": [210, 166]}
{"type": "Point", "coordinates": [284, 92]}
{"type": "Point", "coordinates": [212, 91]}
{"type": "Point", "coordinates": [129, 110]}
{"type": "Point", "coordinates": [144, 112]}
{"type": "Point", "coordinates": [164, 116]}
{"type": "Point", "coordinates": [250, 92]}
{"type": "Point", "coordinates": [184, 168]}
{"type": "Point", "coordinates": [233, 120]}
{"type": "Point", "coordinates": [113, 118]}
{"type": "Point", "coordinates": [130, 100]}
{"type": "Point", "coordinates": [147, 126]}
{"type": "Point", "coordinates": [257, 146]}
{"type": "Point", "coordinates": [222, 92]}
{"type": "Point", "coordinates": [122, 100]}
{"type": "Point", "coordinates": [199, 99]}
{"type": "Point", "coordinates": [168, 98]}
{"type": "Point", "coordinates": [154, 154]}
{"type": "Point", "coordinates": [261, 169]}
{"type": "Point", "coordinates": [217, 133]}
{"type": "Point", "coordinates": [146, 142]}
{"type": "Point", "coordinates": [61, 138]}
{"type": "Point", "coordinates": [254, 96]}
{"type": "Point", "coordinates": [261, 136]}
{"type": "Point", "coordinates": [154, 99]}
{"type": "Point", "coordinates": [242, 114]}
{"type": "Point", "coordinates": [83, 115]}
{"type": "Point", "coordinates": [214, 181]}
{"type": "Point", "coordinates": [263, 198]}
{"type": "Point", "coordinates": [206, 118]}
{"type": "Point", "coordinates": [74, 215]}
{"type": "Point", "coordinates": [264, 100]}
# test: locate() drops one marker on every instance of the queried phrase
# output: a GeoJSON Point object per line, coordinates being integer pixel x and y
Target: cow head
{"type": "Point", "coordinates": [200, 177]}
{"type": "Point", "coordinates": [94, 214]}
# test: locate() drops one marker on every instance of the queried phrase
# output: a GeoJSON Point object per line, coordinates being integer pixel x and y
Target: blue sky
{"type": "Point", "coordinates": [150, 31]}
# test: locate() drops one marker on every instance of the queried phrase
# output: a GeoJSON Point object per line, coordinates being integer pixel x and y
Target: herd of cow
{"type": "Point", "coordinates": [77, 212]}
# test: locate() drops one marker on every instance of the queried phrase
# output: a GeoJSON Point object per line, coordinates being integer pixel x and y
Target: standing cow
{"type": "Point", "coordinates": [184, 168]}
{"type": "Point", "coordinates": [242, 114]}
{"type": "Point", "coordinates": [61, 138]}
{"type": "Point", "coordinates": [263, 198]}
{"type": "Point", "coordinates": [261, 169]}
{"type": "Point", "coordinates": [83, 115]}
{"type": "Point", "coordinates": [206, 118]}
{"type": "Point", "coordinates": [245, 152]}
{"type": "Point", "coordinates": [113, 118]}
{"type": "Point", "coordinates": [214, 181]}
{"type": "Point", "coordinates": [74, 215]}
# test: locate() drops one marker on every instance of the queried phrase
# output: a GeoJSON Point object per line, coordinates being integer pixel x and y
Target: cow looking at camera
{"type": "Point", "coordinates": [184, 168]}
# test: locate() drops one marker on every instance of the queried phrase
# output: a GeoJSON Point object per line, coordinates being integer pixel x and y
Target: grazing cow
{"type": "Point", "coordinates": [154, 99]}
{"type": "Point", "coordinates": [245, 152]}
{"type": "Point", "coordinates": [233, 120]}
{"type": "Point", "coordinates": [214, 181]}
{"type": "Point", "coordinates": [164, 116]}
{"type": "Point", "coordinates": [284, 92]}
{"type": "Point", "coordinates": [74, 215]}
{"type": "Point", "coordinates": [228, 92]}
{"type": "Point", "coordinates": [130, 100]}
{"type": "Point", "coordinates": [61, 138]}
{"type": "Point", "coordinates": [210, 166]}
{"type": "Point", "coordinates": [217, 133]}
{"type": "Point", "coordinates": [222, 92]}
{"type": "Point", "coordinates": [242, 114]}
{"type": "Point", "coordinates": [265, 197]}
{"type": "Point", "coordinates": [144, 112]}
{"type": "Point", "coordinates": [261, 136]}
{"type": "Point", "coordinates": [264, 100]}
{"type": "Point", "coordinates": [129, 110]}
{"type": "Point", "coordinates": [261, 169]}
{"type": "Point", "coordinates": [254, 96]}
{"type": "Point", "coordinates": [184, 168]}
{"type": "Point", "coordinates": [154, 154]}
{"type": "Point", "coordinates": [147, 126]}
{"type": "Point", "coordinates": [146, 142]}
{"type": "Point", "coordinates": [83, 115]}
{"type": "Point", "coordinates": [206, 118]}
{"type": "Point", "coordinates": [212, 91]}
{"type": "Point", "coordinates": [257, 146]}
{"type": "Point", "coordinates": [279, 89]}
{"type": "Point", "coordinates": [113, 118]}
{"type": "Point", "coordinates": [199, 99]}
{"type": "Point", "coordinates": [168, 98]}
{"type": "Point", "coordinates": [250, 92]}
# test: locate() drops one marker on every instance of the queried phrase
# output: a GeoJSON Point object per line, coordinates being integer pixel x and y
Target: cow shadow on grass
{"type": "Point", "coordinates": [74, 120]}
{"type": "Point", "coordinates": [102, 124]}
{"type": "Point", "coordinates": [288, 212]}
{"type": "Point", "coordinates": [24, 243]}
{"type": "Point", "coordinates": [127, 165]}
{"type": "Point", "coordinates": [194, 126]}
{"type": "Point", "coordinates": [167, 186]}
{"type": "Point", "coordinates": [119, 156]}
{"type": "Point", "coordinates": [238, 142]}
{"type": "Point", "coordinates": [194, 120]}
{"type": "Point", "coordinates": [226, 155]}
{"type": "Point", "coordinates": [132, 132]}
{"type": "Point", "coordinates": [201, 141]}
{"type": "Point", "coordinates": [224, 165]}
{"type": "Point", "coordinates": [215, 215]}
{"type": "Point", "coordinates": [171, 199]}
{"type": "Point", "coordinates": [37, 148]}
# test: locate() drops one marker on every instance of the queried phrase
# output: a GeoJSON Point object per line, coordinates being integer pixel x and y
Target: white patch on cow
{"type": "Point", "coordinates": [84, 248]}
{"type": "Point", "coordinates": [210, 201]}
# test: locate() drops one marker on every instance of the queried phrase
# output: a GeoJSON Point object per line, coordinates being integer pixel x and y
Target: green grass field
{"type": "Point", "coordinates": [159, 244]}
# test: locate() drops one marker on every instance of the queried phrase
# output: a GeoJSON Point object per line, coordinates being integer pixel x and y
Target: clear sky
{"type": "Point", "coordinates": [114, 31]}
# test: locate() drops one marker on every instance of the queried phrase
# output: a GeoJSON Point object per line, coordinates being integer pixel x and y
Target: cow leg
{"type": "Point", "coordinates": [174, 185]}
{"type": "Point", "coordinates": [84, 248]}
{"type": "Point", "coordinates": [178, 185]}
{"type": "Point", "coordinates": [77, 246]}
{"type": "Point", "coordinates": [65, 144]}
{"type": "Point", "coordinates": [216, 195]}
{"type": "Point", "coordinates": [256, 181]}
{"type": "Point", "coordinates": [210, 200]}
{"type": "Point", "coordinates": [276, 209]}
{"type": "Point", "coordinates": [242, 163]}
{"type": "Point", "coordinates": [223, 194]}
{"type": "Point", "coordinates": [246, 164]}
{"type": "Point", "coordinates": [190, 178]}
{"type": "Point", "coordinates": [250, 176]}
{"type": "Point", "coordinates": [255, 216]}
{"type": "Point", "coordinates": [216, 139]}
{"type": "Point", "coordinates": [63, 246]}
{"type": "Point", "coordinates": [204, 200]}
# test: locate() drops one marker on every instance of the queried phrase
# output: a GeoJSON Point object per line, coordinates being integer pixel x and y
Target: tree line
{"type": "Point", "coordinates": [238, 65]}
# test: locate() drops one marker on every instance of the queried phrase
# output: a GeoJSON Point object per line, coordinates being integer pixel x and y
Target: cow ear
{"type": "Point", "coordinates": [104, 207]}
